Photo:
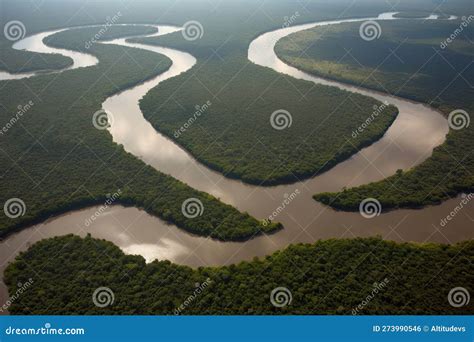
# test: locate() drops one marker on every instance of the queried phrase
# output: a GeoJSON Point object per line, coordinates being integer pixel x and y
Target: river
{"type": "Point", "coordinates": [304, 220]}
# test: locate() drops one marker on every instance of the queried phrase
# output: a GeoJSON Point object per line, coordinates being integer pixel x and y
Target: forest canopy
{"type": "Point", "coordinates": [327, 277]}
{"type": "Point", "coordinates": [424, 70]}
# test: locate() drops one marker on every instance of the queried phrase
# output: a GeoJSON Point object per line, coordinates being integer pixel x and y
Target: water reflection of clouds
{"type": "Point", "coordinates": [165, 249]}
{"type": "Point", "coordinates": [140, 138]}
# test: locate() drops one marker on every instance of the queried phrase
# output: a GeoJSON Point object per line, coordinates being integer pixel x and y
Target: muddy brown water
{"type": "Point", "coordinates": [305, 220]}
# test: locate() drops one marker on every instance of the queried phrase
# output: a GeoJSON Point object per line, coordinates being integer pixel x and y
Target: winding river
{"type": "Point", "coordinates": [305, 220]}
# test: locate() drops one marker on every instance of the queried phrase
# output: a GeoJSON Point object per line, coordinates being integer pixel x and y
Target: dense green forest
{"type": "Point", "coordinates": [235, 135]}
{"type": "Point", "coordinates": [17, 61]}
{"type": "Point", "coordinates": [58, 162]}
{"type": "Point", "coordinates": [55, 160]}
{"type": "Point", "coordinates": [328, 277]}
{"type": "Point", "coordinates": [421, 70]}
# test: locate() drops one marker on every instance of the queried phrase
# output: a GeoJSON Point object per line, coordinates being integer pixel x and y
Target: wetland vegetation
{"type": "Point", "coordinates": [408, 60]}
{"type": "Point", "coordinates": [328, 277]}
